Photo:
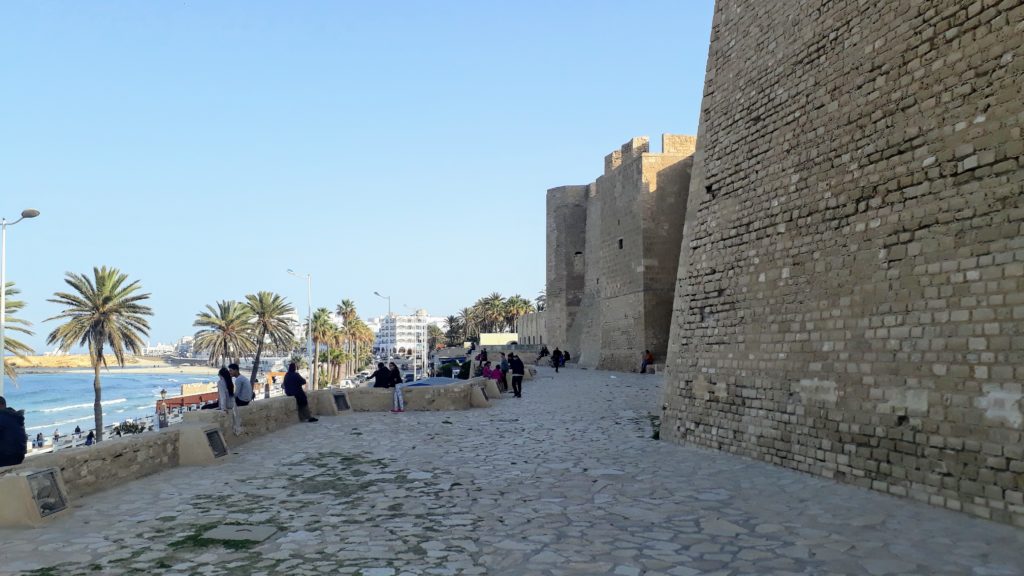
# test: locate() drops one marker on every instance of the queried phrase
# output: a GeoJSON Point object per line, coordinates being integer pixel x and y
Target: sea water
{"type": "Point", "coordinates": [63, 400]}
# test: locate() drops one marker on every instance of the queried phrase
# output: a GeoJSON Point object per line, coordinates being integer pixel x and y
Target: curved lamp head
{"type": "Point", "coordinates": [379, 294]}
{"type": "Point", "coordinates": [29, 213]}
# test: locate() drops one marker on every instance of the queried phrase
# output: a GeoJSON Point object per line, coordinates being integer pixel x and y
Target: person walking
{"type": "Point", "coordinates": [226, 399]}
{"type": "Point", "coordinates": [515, 364]}
{"type": "Point", "coordinates": [293, 383]}
{"type": "Point", "coordinates": [381, 376]}
{"type": "Point", "coordinates": [565, 358]}
{"type": "Point", "coordinates": [503, 365]}
{"type": "Point", "coordinates": [12, 435]}
{"type": "Point", "coordinates": [556, 359]}
{"type": "Point", "coordinates": [647, 361]}
{"type": "Point", "coordinates": [243, 388]}
{"type": "Point", "coordinates": [396, 383]}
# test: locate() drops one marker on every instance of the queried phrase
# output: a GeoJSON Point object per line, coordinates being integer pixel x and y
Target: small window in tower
{"type": "Point", "coordinates": [620, 243]}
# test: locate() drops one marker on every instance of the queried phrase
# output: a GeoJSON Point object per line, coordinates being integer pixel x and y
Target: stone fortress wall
{"type": "Point", "coordinates": [850, 299]}
{"type": "Point", "coordinates": [612, 267]}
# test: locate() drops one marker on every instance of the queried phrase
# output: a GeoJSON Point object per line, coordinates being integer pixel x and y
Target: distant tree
{"type": "Point", "coordinates": [515, 308]}
{"type": "Point", "coordinates": [541, 300]}
{"type": "Point", "coordinates": [435, 337]}
{"type": "Point", "coordinates": [455, 333]}
{"type": "Point", "coordinates": [11, 345]}
{"type": "Point", "coordinates": [321, 329]}
{"type": "Point", "coordinates": [102, 311]}
{"type": "Point", "coordinates": [225, 331]}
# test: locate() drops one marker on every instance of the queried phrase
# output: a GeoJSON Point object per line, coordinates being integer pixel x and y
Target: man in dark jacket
{"type": "Point", "coordinates": [381, 376]}
{"type": "Point", "coordinates": [515, 364]}
{"type": "Point", "coordinates": [293, 383]}
{"type": "Point", "coordinates": [12, 435]}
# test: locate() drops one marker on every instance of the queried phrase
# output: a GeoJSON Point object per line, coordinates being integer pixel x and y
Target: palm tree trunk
{"type": "Point", "coordinates": [259, 350]}
{"type": "Point", "coordinates": [97, 404]}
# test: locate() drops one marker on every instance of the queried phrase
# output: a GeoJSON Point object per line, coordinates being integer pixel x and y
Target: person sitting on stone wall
{"type": "Point", "coordinates": [13, 438]}
{"type": "Point", "coordinates": [647, 360]}
{"type": "Point", "coordinates": [293, 383]}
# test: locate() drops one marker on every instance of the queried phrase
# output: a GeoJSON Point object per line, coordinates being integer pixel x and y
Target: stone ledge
{"type": "Point", "coordinates": [457, 396]}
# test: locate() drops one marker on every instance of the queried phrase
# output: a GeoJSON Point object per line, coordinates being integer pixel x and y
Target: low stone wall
{"type": "Point", "coordinates": [457, 396]}
{"type": "Point", "coordinates": [262, 416]}
{"type": "Point", "coordinates": [90, 469]}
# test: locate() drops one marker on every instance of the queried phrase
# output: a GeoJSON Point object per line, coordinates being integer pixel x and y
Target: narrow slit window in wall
{"type": "Point", "coordinates": [620, 243]}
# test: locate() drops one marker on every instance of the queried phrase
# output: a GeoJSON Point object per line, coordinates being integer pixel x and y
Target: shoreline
{"type": "Point", "coordinates": [148, 369]}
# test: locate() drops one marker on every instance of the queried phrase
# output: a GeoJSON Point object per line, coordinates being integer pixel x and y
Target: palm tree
{"type": "Point", "coordinates": [12, 346]}
{"type": "Point", "coordinates": [364, 342]}
{"type": "Point", "coordinates": [435, 336]}
{"type": "Point", "coordinates": [271, 314]}
{"type": "Point", "coordinates": [101, 311]}
{"type": "Point", "coordinates": [492, 311]}
{"type": "Point", "coordinates": [226, 331]}
{"type": "Point", "coordinates": [347, 311]}
{"type": "Point", "coordinates": [470, 319]}
{"type": "Point", "coordinates": [320, 331]}
{"type": "Point", "coordinates": [455, 335]}
{"type": "Point", "coordinates": [515, 308]}
{"type": "Point", "coordinates": [542, 300]}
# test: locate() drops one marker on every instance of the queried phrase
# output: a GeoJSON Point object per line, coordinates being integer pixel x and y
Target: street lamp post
{"type": "Point", "coordinates": [29, 213]}
{"type": "Point", "coordinates": [309, 318]}
{"type": "Point", "coordinates": [393, 324]}
{"type": "Point", "coordinates": [388, 298]}
{"type": "Point", "coordinates": [421, 338]}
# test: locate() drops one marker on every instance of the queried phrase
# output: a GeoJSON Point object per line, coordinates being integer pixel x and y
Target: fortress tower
{"type": "Point", "coordinates": [615, 262]}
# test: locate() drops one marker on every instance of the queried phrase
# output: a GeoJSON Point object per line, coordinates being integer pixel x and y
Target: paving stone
{"type": "Point", "coordinates": [506, 490]}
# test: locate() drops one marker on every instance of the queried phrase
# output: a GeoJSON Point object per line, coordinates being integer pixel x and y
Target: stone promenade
{"type": "Point", "coordinates": [566, 480]}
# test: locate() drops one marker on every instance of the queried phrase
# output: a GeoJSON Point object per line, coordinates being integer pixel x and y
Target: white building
{"type": "Point", "coordinates": [402, 334]}
{"type": "Point", "coordinates": [160, 349]}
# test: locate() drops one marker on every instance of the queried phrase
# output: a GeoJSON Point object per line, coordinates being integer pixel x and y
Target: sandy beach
{"type": "Point", "coordinates": [79, 363]}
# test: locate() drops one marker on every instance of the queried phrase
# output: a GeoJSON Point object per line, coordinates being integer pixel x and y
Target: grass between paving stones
{"type": "Point", "coordinates": [336, 475]}
{"type": "Point", "coordinates": [196, 540]}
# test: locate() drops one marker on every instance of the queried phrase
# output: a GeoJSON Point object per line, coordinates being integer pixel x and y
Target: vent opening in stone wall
{"type": "Point", "coordinates": [216, 442]}
{"type": "Point", "coordinates": [341, 402]}
{"type": "Point", "coordinates": [46, 492]}
{"type": "Point", "coordinates": [620, 243]}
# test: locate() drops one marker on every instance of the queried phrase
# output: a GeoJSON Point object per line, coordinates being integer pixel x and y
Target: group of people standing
{"type": "Point", "coordinates": [390, 377]}
{"type": "Point", "coordinates": [499, 372]}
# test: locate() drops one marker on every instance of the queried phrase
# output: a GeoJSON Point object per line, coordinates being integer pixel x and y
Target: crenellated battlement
{"type": "Point", "coordinates": [673, 144]}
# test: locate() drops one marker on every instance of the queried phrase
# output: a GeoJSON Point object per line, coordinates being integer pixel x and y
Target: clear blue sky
{"type": "Point", "coordinates": [204, 148]}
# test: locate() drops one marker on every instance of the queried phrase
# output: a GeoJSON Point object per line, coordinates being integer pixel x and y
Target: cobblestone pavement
{"type": "Point", "coordinates": [566, 480]}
